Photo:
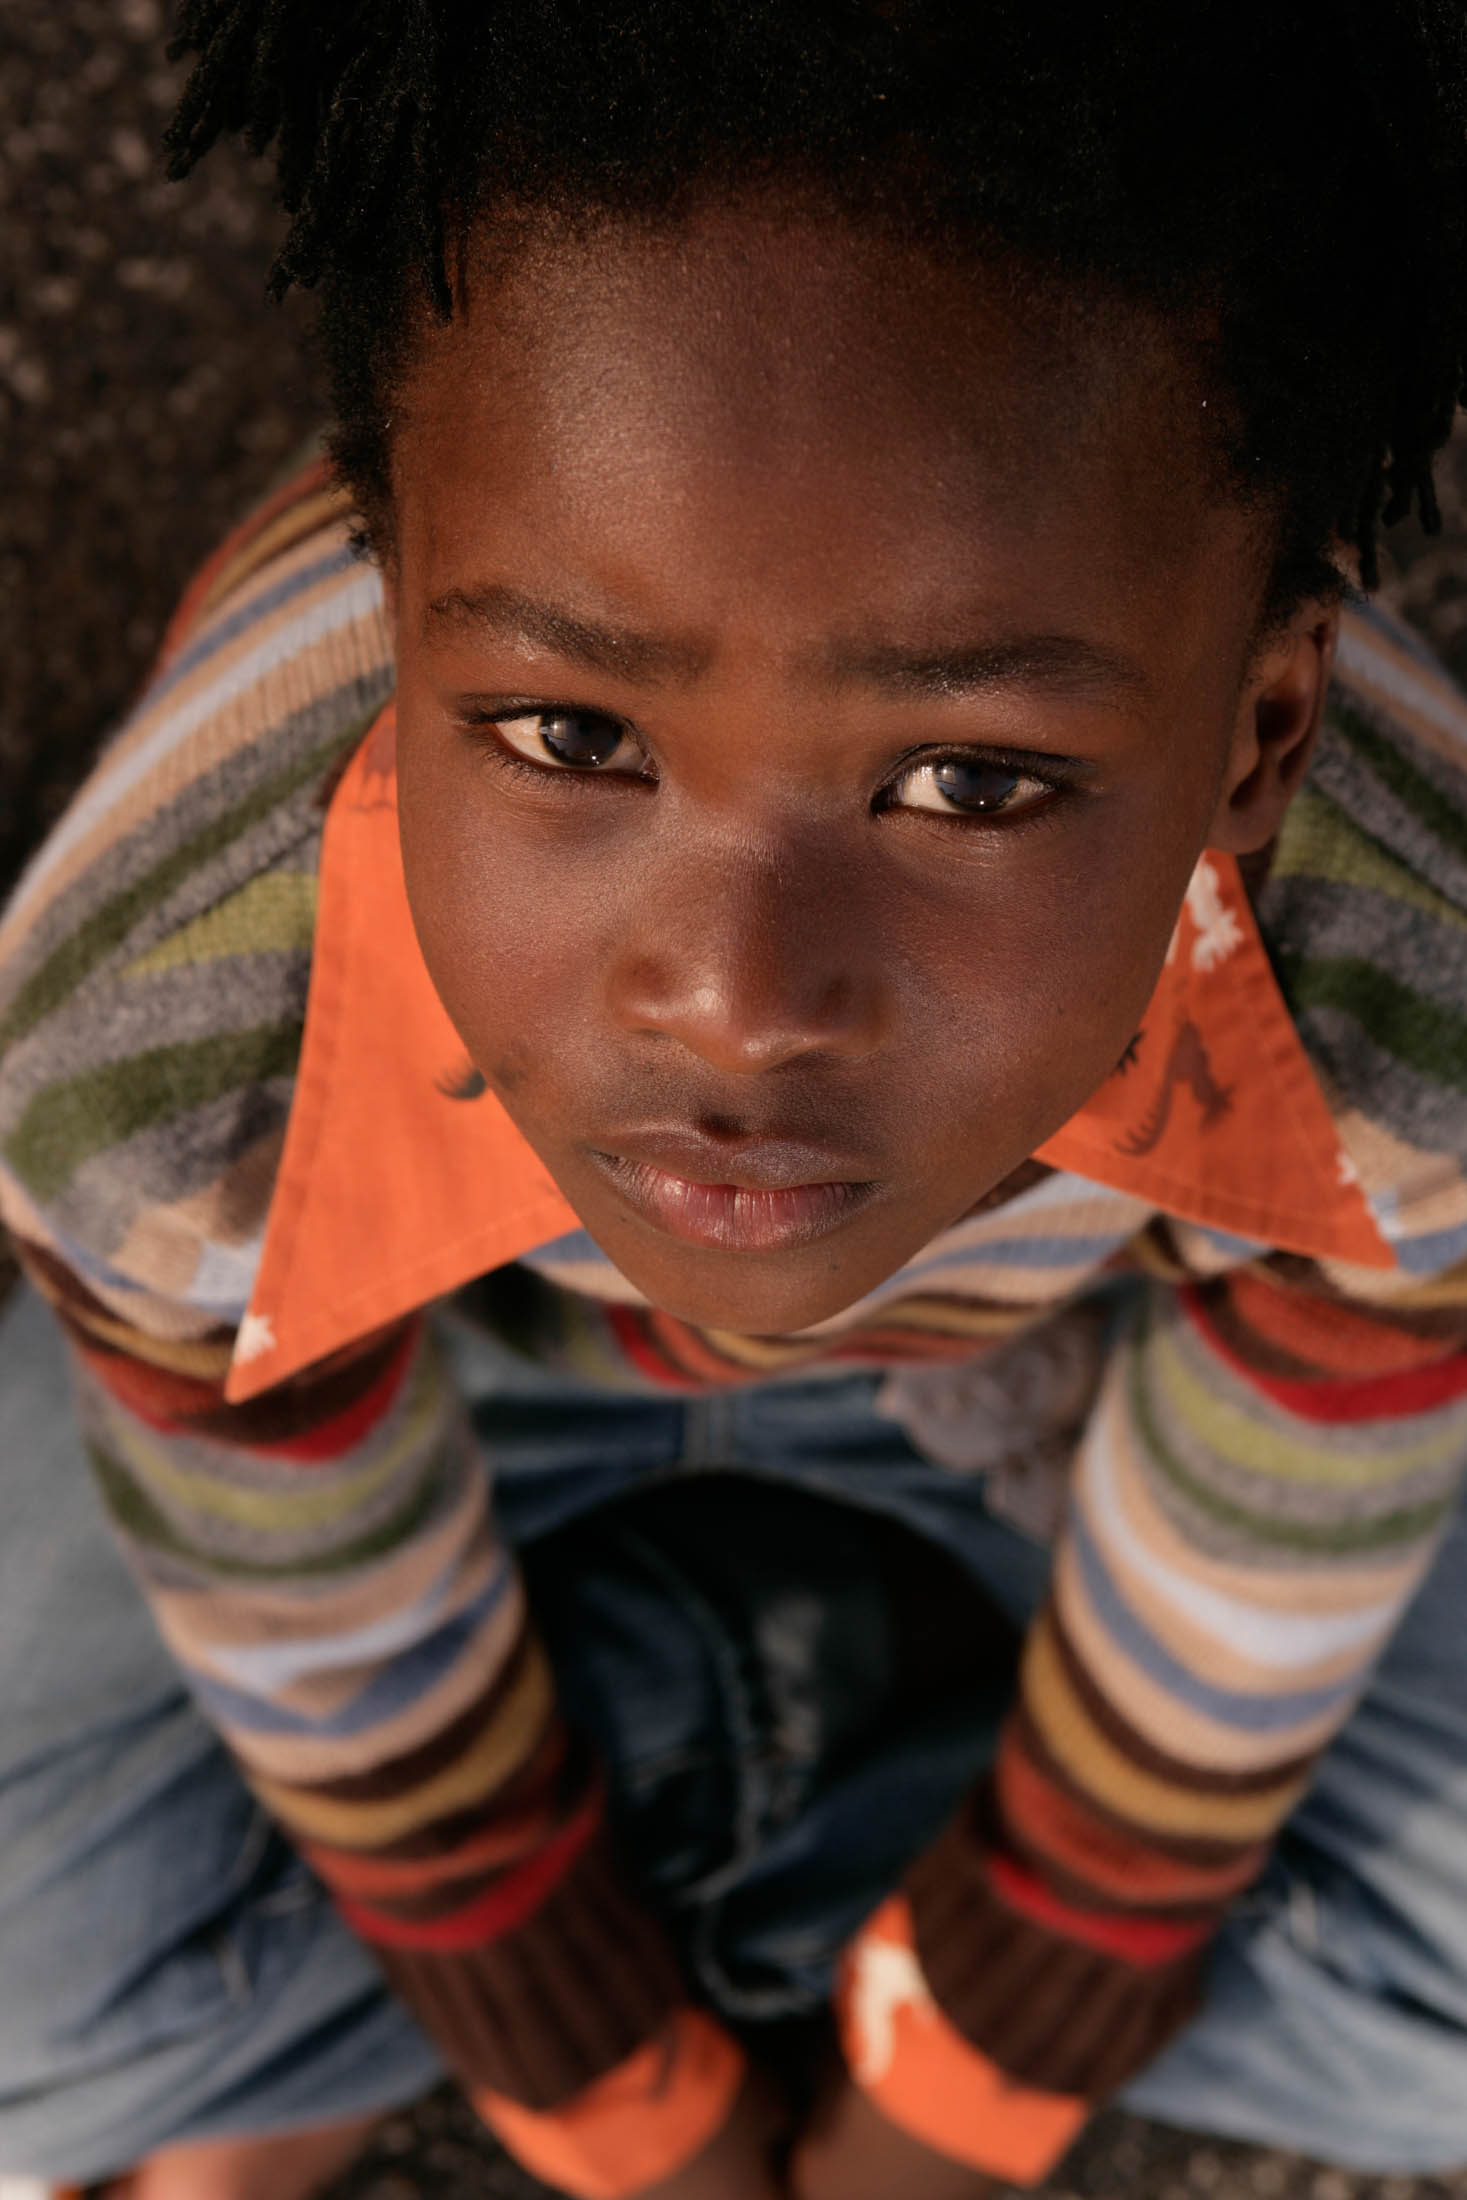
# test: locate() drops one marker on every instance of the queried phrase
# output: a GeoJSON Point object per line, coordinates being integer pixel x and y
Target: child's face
{"type": "Point", "coordinates": [762, 545]}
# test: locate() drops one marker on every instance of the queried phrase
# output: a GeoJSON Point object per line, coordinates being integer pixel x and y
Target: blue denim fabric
{"type": "Point", "coordinates": [756, 1604]}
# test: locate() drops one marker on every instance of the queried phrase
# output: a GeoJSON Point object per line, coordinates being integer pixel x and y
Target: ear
{"type": "Point", "coordinates": [1278, 718]}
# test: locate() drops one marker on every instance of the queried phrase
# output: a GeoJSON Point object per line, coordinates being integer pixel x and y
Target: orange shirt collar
{"type": "Point", "coordinates": [392, 1192]}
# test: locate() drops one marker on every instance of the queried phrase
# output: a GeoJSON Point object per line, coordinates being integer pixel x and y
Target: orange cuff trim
{"type": "Point", "coordinates": [926, 2078]}
{"type": "Point", "coordinates": [643, 2121]}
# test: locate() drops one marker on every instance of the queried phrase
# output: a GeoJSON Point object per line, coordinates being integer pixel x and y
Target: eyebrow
{"type": "Point", "coordinates": [647, 659]}
{"type": "Point", "coordinates": [1057, 661]}
{"type": "Point", "coordinates": [1054, 661]}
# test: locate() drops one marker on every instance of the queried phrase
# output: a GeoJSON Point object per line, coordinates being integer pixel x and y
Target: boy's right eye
{"type": "Point", "coordinates": [570, 740]}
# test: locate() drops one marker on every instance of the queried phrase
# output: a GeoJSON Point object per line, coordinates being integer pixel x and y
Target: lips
{"type": "Point", "coordinates": [749, 1196]}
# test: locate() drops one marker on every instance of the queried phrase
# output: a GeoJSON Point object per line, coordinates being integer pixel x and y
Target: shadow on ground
{"type": "Point", "coordinates": [147, 394]}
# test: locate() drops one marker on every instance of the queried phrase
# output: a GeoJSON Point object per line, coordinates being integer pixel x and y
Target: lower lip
{"type": "Point", "coordinates": [730, 1217]}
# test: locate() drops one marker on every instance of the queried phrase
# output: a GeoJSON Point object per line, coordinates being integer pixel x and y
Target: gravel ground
{"type": "Point", "coordinates": [146, 395]}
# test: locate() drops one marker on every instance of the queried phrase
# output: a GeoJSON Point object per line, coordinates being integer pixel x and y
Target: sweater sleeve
{"type": "Point", "coordinates": [1259, 1491]}
{"type": "Point", "coordinates": [322, 1561]}
{"type": "Point", "coordinates": [323, 1564]}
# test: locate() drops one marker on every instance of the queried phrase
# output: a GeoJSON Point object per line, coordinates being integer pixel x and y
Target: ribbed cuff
{"type": "Point", "coordinates": [924, 2077]}
{"type": "Point", "coordinates": [641, 2123]}
{"type": "Point", "coordinates": [1054, 2012]}
{"type": "Point", "coordinates": [548, 2008]}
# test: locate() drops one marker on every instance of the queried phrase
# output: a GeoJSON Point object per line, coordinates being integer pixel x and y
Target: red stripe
{"type": "Point", "coordinates": [1140, 1940]}
{"type": "Point", "coordinates": [156, 1395]}
{"type": "Point", "coordinates": [169, 1403]}
{"type": "Point", "coordinates": [333, 1438]}
{"type": "Point", "coordinates": [1329, 1399]}
{"type": "Point", "coordinates": [513, 1897]}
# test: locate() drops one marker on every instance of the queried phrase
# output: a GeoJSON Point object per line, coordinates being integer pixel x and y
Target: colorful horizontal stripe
{"type": "Point", "coordinates": [1259, 1469]}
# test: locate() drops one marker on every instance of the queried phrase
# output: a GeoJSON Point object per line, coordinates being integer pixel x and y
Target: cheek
{"type": "Point", "coordinates": [1012, 982]}
{"type": "Point", "coordinates": [1032, 995]}
{"type": "Point", "coordinates": [508, 934]}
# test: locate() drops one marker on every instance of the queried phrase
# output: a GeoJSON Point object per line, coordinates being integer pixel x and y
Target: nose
{"type": "Point", "coordinates": [752, 960]}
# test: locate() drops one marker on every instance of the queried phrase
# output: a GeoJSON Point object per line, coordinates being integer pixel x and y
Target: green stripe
{"type": "Point", "coordinates": [275, 914]}
{"type": "Point", "coordinates": [139, 1519]}
{"type": "Point", "coordinates": [1240, 1439]}
{"type": "Point", "coordinates": [1426, 802]}
{"type": "Point", "coordinates": [1419, 1033]}
{"type": "Point", "coordinates": [1409, 1524]}
{"type": "Point", "coordinates": [66, 1124]}
{"type": "Point", "coordinates": [309, 1504]}
{"type": "Point", "coordinates": [99, 934]}
{"type": "Point", "coordinates": [1318, 840]}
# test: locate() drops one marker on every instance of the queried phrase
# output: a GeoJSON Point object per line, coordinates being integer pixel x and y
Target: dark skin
{"type": "Point", "coordinates": [818, 678]}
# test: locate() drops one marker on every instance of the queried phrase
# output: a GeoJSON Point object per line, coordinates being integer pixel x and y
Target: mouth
{"type": "Point", "coordinates": [763, 1197]}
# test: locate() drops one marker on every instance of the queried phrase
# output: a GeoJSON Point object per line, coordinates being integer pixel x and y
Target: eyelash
{"type": "Point", "coordinates": [504, 758]}
{"type": "Point", "coordinates": [1053, 776]}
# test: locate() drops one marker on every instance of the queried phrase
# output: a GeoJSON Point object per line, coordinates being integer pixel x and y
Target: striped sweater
{"type": "Point", "coordinates": [1259, 1472]}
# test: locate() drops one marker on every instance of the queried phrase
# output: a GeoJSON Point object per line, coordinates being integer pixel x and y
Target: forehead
{"type": "Point", "coordinates": [746, 406]}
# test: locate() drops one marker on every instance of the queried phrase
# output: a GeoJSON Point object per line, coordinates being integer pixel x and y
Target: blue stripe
{"type": "Point", "coordinates": [89, 1266]}
{"type": "Point", "coordinates": [92, 1269]}
{"type": "Point", "coordinates": [1253, 1714]}
{"type": "Point", "coordinates": [400, 1683]}
{"type": "Point", "coordinates": [1034, 1252]}
{"type": "Point", "coordinates": [1429, 1255]}
{"type": "Point", "coordinates": [577, 1245]}
{"type": "Point", "coordinates": [240, 621]}
{"type": "Point", "coordinates": [1235, 1248]}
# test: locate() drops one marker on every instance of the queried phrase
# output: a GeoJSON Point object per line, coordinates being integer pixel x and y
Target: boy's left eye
{"type": "Point", "coordinates": [570, 740]}
{"type": "Point", "coordinates": [966, 786]}
{"type": "Point", "coordinates": [592, 744]}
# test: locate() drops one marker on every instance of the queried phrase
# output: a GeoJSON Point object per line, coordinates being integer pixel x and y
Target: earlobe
{"type": "Point", "coordinates": [1278, 721]}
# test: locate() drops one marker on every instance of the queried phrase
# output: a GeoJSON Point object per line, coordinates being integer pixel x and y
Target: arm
{"type": "Point", "coordinates": [1257, 1496]}
{"type": "Point", "coordinates": [324, 1566]}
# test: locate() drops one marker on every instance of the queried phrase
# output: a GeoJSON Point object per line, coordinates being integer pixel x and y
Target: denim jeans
{"type": "Point", "coordinates": [793, 1638]}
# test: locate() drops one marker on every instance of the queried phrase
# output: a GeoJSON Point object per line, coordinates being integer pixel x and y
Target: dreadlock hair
{"type": "Point", "coordinates": [1292, 177]}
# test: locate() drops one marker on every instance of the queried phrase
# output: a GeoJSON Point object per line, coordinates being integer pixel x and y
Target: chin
{"type": "Point", "coordinates": [743, 1303]}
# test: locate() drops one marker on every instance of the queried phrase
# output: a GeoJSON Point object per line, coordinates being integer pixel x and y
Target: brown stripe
{"type": "Point", "coordinates": [446, 1895]}
{"type": "Point", "coordinates": [296, 1407]}
{"type": "Point", "coordinates": [557, 1764]}
{"type": "Point", "coordinates": [66, 1291]}
{"type": "Point", "coordinates": [1429, 1321]}
{"type": "Point", "coordinates": [1048, 2011]}
{"type": "Point", "coordinates": [1252, 1347]}
{"type": "Point", "coordinates": [1085, 1894]}
{"type": "Point", "coordinates": [400, 1775]}
{"type": "Point", "coordinates": [1204, 1855]}
{"type": "Point", "coordinates": [94, 1325]}
{"type": "Point", "coordinates": [1153, 1251]}
{"type": "Point", "coordinates": [1145, 1754]}
{"type": "Point", "coordinates": [545, 2011]}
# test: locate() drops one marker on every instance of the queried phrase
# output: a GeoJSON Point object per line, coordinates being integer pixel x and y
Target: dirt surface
{"type": "Point", "coordinates": [146, 395]}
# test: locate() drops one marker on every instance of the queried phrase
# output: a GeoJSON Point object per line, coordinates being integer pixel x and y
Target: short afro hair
{"type": "Point", "coordinates": [1290, 173]}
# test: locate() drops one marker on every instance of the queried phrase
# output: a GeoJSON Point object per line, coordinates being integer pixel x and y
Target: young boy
{"type": "Point", "coordinates": [844, 958]}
